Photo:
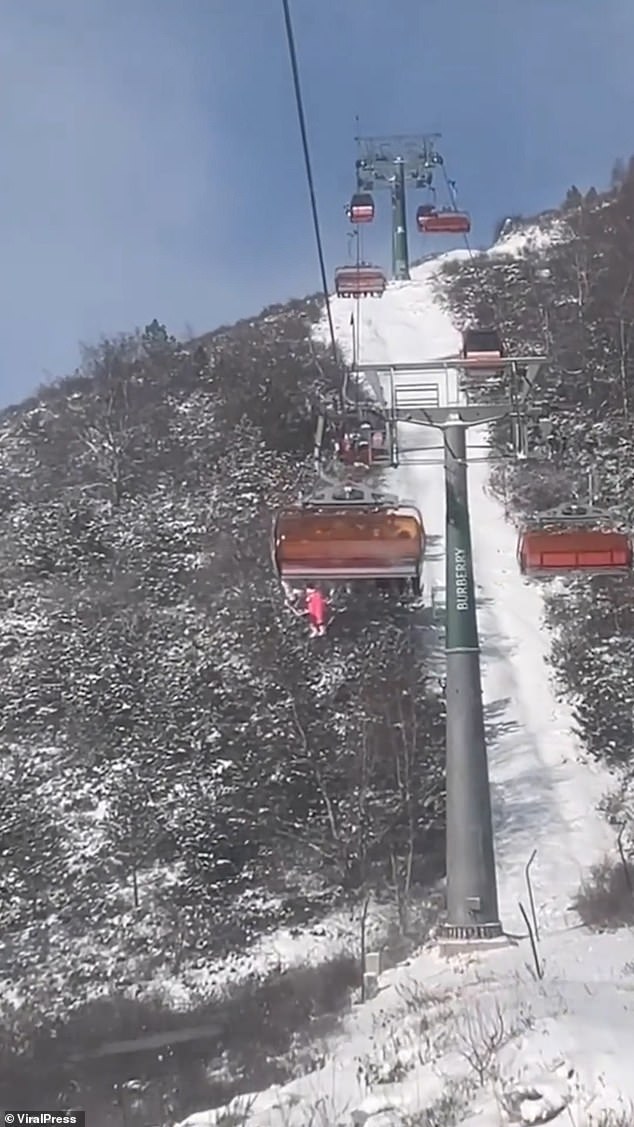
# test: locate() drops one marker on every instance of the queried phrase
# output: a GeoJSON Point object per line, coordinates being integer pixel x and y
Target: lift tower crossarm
{"type": "Point", "coordinates": [416, 151]}
{"type": "Point", "coordinates": [526, 369]}
{"type": "Point", "coordinates": [390, 162]}
{"type": "Point", "coordinates": [424, 392]}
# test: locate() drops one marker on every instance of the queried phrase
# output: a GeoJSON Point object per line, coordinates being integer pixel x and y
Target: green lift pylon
{"type": "Point", "coordinates": [444, 394]}
{"type": "Point", "coordinates": [472, 900]}
{"type": "Point", "coordinates": [400, 249]}
{"type": "Point", "coordinates": [391, 163]}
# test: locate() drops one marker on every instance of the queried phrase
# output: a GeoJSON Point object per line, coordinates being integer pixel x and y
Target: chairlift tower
{"type": "Point", "coordinates": [444, 394]}
{"type": "Point", "coordinates": [391, 163]}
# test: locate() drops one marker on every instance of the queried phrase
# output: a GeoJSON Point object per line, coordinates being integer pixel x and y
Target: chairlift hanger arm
{"type": "Point", "coordinates": [573, 514]}
{"type": "Point", "coordinates": [329, 491]}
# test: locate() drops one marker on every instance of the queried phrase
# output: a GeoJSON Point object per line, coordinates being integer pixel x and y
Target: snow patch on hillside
{"type": "Point", "coordinates": [531, 239]}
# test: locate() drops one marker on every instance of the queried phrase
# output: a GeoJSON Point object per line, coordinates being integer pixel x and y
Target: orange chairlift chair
{"type": "Point", "coordinates": [573, 540]}
{"type": "Point", "coordinates": [346, 532]}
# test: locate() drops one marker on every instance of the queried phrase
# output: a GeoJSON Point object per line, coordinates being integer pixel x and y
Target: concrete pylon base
{"type": "Point", "coordinates": [449, 947]}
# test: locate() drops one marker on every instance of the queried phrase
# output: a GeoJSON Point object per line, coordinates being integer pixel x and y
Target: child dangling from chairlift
{"type": "Point", "coordinates": [316, 611]}
{"type": "Point", "coordinates": [311, 604]}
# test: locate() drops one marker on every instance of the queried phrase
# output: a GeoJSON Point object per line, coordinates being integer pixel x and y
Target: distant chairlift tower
{"type": "Point", "coordinates": [390, 162]}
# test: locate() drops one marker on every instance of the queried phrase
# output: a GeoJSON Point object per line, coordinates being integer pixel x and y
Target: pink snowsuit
{"type": "Point", "coordinates": [316, 609]}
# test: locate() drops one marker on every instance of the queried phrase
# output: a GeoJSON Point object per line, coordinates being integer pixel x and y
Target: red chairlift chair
{"type": "Point", "coordinates": [363, 444]}
{"type": "Point", "coordinates": [442, 221]}
{"type": "Point", "coordinates": [363, 280]}
{"type": "Point", "coordinates": [573, 540]}
{"type": "Point", "coordinates": [361, 208]}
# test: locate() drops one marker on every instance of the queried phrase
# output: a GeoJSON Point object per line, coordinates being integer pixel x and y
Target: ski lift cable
{"type": "Point", "coordinates": [357, 315]}
{"type": "Point", "coordinates": [299, 102]}
{"type": "Point", "coordinates": [489, 298]}
{"type": "Point", "coordinates": [360, 259]}
{"type": "Point", "coordinates": [357, 304]}
{"type": "Point", "coordinates": [489, 294]}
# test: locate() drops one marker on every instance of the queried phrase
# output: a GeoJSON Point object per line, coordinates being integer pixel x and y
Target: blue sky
{"type": "Point", "coordinates": [151, 164]}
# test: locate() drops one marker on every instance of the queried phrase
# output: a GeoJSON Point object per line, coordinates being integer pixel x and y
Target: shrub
{"type": "Point", "coordinates": [605, 899]}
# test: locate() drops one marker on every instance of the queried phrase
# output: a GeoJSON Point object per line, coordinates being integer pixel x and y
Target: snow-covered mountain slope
{"type": "Point", "coordinates": [486, 1041]}
{"type": "Point", "coordinates": [530, 238]}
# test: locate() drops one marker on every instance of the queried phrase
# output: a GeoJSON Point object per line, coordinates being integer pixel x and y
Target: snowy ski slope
{"type": "Point", "coordinates": [542, 796]}
{"type": "Point", "coordinates": [566, 1043]}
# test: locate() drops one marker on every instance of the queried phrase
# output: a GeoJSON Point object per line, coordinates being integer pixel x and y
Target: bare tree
{"type": "Point", "coordinates": [108, 420]}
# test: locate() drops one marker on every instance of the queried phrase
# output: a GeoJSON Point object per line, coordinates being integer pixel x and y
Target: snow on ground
{"type": "Point", "coordinates": [545, 792]}
{"type": "Point", "coordinates": [491, 1036]}
{"type": "Point", "coordinates": [559, 1044]}
{"type": "Point", "coordinates": [532, 238]}
{"type": "Point", "coordinates": [282, 949]}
